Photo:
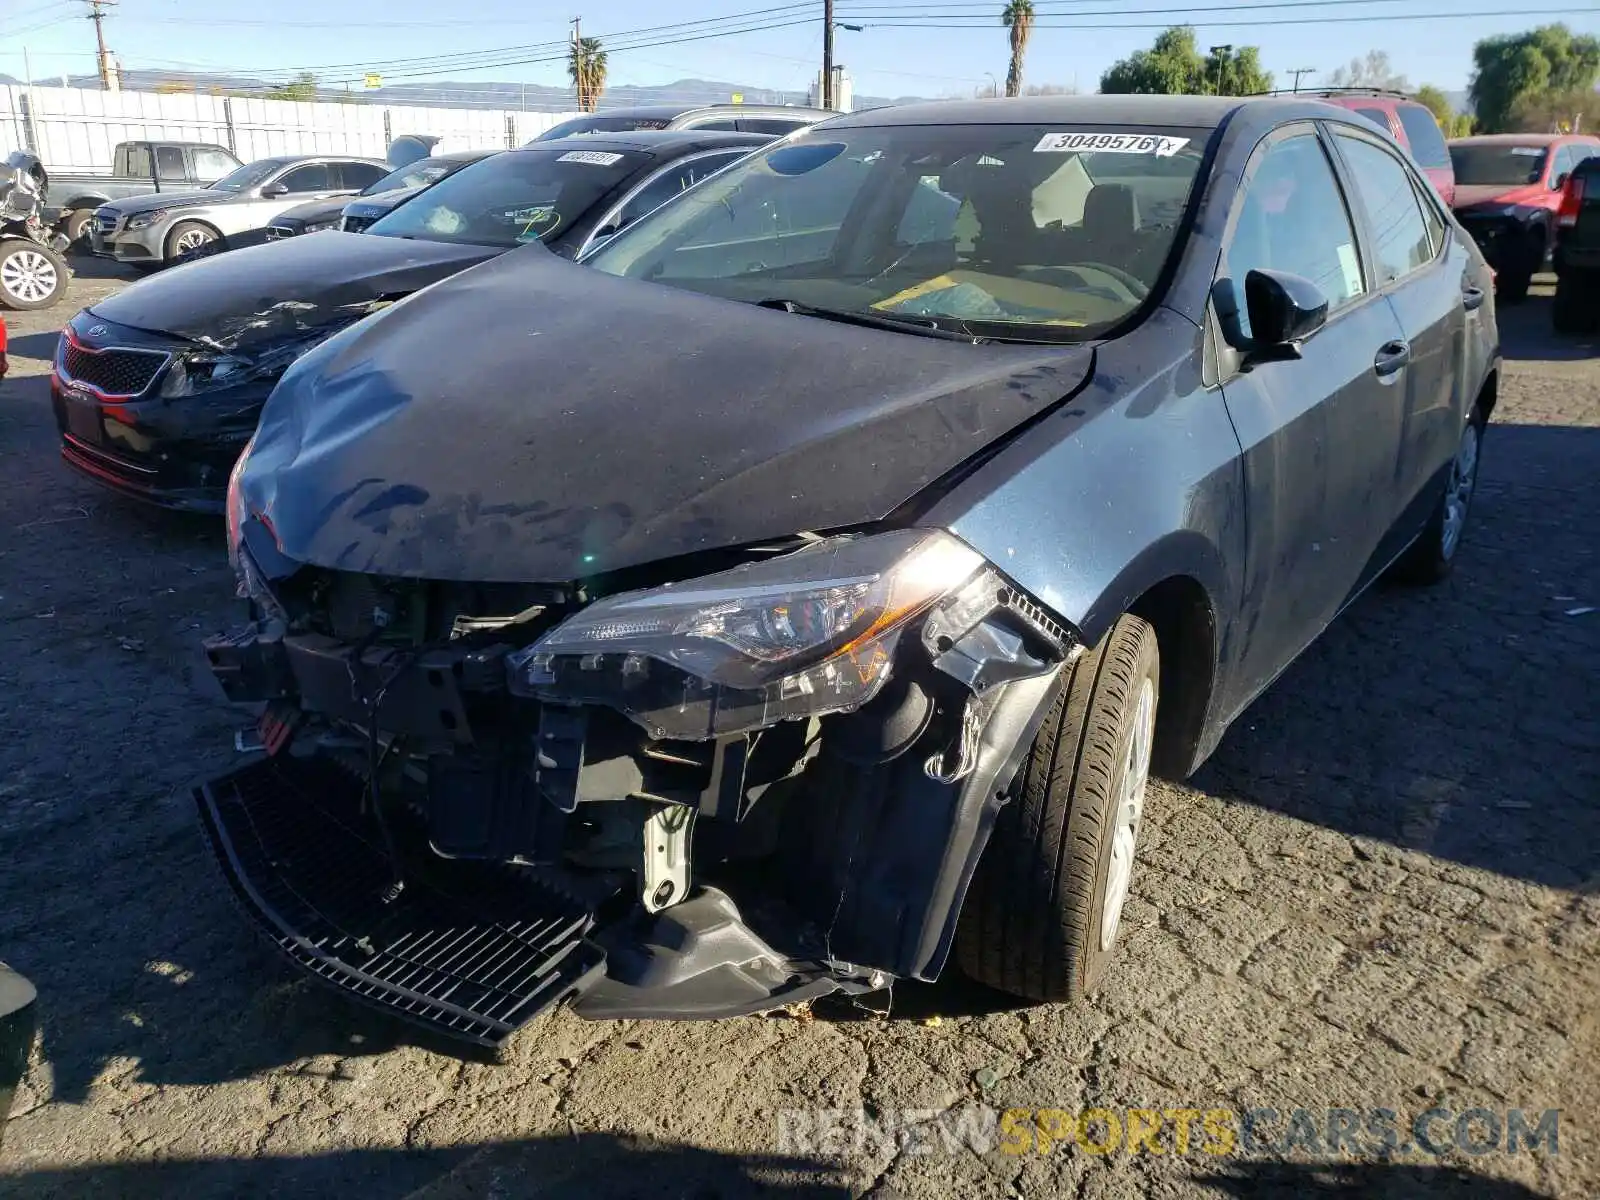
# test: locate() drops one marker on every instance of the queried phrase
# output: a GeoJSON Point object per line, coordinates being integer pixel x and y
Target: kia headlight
{"type": "Point", "coordinates": [797, 636]}
{"type": "Point", "coordinates": [195, 372]}
{"type": "Point", "coordinates": [141, 220]}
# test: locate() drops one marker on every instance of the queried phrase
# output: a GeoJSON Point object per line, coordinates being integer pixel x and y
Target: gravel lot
{"type": "Point", "coordinates": [1382, 892]}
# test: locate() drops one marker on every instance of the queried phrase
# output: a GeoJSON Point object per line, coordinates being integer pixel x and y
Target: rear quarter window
{"type": "Point", "coordinates": [1378, 116]}
{"type": "Point", "coordinates": [1422, 131]}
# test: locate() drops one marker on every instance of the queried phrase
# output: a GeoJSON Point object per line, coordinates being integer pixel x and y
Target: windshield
{"type": "Point", "coordinates": [522, 196]}
{"type": "Point", "coordinates": [617, 124]}
{"type": "Point", "coordinates": [1497, 165]}
{"type": "Point", "coordinates": [417, 174]}
{"type": "Point", "coordinates": [1034, 232]}
{"type": "Point", "coordinates": [248, 176]}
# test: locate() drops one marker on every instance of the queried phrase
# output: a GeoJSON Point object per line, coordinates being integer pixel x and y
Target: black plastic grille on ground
{"type": "Point", "coordinates": [469, 950]}
{"type": "Point", "coordinates": [113, 372]}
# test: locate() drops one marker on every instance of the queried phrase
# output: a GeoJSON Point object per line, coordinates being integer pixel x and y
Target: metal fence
{"type": "Point", "coordinates": [75, 129]}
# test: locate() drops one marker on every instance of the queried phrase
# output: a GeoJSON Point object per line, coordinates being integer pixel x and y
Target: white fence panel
{"type": "Point", "coordinates": [529, 125]}
{"type": "Point", "coordinates": [74, 130]}
{"type": "Point", "coordinates": [263, 128]}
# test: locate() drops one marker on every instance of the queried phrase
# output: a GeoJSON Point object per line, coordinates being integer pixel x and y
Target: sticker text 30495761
{"type": "Point", "coordinates": [1158, 144]}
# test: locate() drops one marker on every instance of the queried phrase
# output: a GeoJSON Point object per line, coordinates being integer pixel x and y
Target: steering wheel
{"type": "Point", "coordinates": [1136, 288]}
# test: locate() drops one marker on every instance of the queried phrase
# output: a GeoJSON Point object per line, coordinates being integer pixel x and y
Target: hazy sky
{"type": "Point", "coordinates": [887, 58]}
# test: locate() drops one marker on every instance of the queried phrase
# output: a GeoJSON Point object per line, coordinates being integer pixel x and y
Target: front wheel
{"type": "Point", "coordinates": [1042, 916]}
{"type": "Point", "coordinates": [189, 240]}
{"type": "Point", "coordinates": [31, 276]}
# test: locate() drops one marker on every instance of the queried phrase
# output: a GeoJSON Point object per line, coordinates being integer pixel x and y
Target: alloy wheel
{"type": "Point", "coordinates": [1458, 492]}
{"type": "Point", "coordinates": [1129, 812]}
{"type": "Point", "coordinates": [28, 276]}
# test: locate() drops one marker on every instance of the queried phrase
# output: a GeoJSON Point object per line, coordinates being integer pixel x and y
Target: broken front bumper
{"type": "Point", "coordinates": [465, 949]}
{"type": "Point", "coordinates": [528, 851]}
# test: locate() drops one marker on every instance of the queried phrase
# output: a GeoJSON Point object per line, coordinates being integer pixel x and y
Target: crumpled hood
{"type": "Point", "coordinates": [262, 294]}
{"type": "Point", "coordinates": [150, 201]}
{"type": "Point", "coordinates": [536, 421]}
{"type": "Point", "coordinates": [1491, 196]}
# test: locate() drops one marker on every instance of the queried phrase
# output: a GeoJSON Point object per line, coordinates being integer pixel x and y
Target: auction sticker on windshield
{"type": "Point", "coordinates": [595, 158]}
{"type": "Point", "coordinates": [1160, 145]}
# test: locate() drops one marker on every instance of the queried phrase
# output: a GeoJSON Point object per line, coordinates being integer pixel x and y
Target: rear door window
{"type": "Point", "coordinates": [356, 176]}
{"type": "Point", "coordinates": [1422, 131]}
{"type": "Point", "coordinates": [773, 125]}
{"type": "Point", "coordinates": [1378, 116]}
{"type": "Point", "coordinates": [1400, 236]}
{"type": "Point", "coordinates": [313, 177]}
{"type": "Point", "coordinates": [169, 163]}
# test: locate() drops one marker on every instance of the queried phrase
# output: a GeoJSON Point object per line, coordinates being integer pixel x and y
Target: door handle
{"type": "Point", "coordinates": [1472, 298]}
{"type": "Point", "coordinates": [1391, 357]}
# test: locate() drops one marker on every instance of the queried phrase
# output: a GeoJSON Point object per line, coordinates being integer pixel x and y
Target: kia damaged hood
{"type": "Point", "coordinates": [260, 295]}
{"type": "Point", "coordinates": [535, 421]}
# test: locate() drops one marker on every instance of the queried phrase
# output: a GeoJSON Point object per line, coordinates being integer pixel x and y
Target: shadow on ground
{"type": "Point", "coordinates": [1360, 1181]}
{"type": "Point", "coordinates": [577, 1167]}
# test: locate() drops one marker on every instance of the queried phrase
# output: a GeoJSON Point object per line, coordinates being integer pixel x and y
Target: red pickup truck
{"type": "Point", "coordinates": [1508, 188]}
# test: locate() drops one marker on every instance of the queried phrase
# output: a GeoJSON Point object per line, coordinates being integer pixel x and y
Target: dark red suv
{"type": "Point", "coordinates": [1406, 120]}
{"type": "Point", "coordinates": [1508, 188]}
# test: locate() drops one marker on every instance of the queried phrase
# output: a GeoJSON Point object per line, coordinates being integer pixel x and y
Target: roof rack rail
{"type": "Point", "coordinates": [1335, 91]}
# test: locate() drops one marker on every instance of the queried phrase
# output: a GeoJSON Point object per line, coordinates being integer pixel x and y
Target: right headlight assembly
{"type": "Point", "coordinates": [801, 635]}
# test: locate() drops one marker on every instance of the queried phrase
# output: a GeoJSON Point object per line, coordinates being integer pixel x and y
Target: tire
{"type": "Point", "coordinates": [1432, 557]}
{"type": "Point", "coordinates": [31, 276]}
{"type": "Point", "coordinates": [1576, 308]}
{"type": "Point", "coordinates": [75, 227]}
{"type": "Point", "coordinates": [190, 239]}
{"type": "Point", "coordinates": [1041, 917]}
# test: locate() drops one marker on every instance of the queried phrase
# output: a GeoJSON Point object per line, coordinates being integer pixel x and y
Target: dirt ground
{"type": "Point", "coordinates": [1381, 893]}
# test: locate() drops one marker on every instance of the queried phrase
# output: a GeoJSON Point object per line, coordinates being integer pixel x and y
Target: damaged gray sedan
{"type": "Point", "coordinates": [797, 597]}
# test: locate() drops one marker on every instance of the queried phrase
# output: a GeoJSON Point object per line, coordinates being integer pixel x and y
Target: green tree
{"type": "Point", "coordinates": [1514, 69]}
{"type": "Point", "coordinates": [1018, 18]}
{"type": "Point", "coordinates": [1451, 123]}
{"type": "Point", "coordinates": [1557, 112]}
{"type": "Point", "coordinates": [302, 87]}
{"type": "Point", "coordinates": [1174, 66]}
{"type": "Point", "coordinates": [586, 67]}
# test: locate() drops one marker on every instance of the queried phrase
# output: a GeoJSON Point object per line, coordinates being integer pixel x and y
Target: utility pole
{"type": "Point", "coordinates": [580, 69]}
{"type": "Point", "coordinates": [1299, 71]}
{"type": "Point", "coordinates": [827, 54]}
{"type": "Point", "coordinates": [97, 14]}
{"type": "Point", "coordinates": [1222, 53]}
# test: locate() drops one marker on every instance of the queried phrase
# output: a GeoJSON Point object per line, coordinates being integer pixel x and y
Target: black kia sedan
{"type": "Point", "coordinates": [801, 595]}
{"type": "Point", "coordinates": [157, 388]}
{"type": "Point", "coordinates": [354, 213]}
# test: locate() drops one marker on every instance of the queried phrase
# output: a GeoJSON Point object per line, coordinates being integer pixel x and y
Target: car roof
{"type": "Point", "coordinates": [653, 141]}
{"type": "Point", "coordinates": [1198, 111]}
{"type": "Point", "coordinates": [1519, 139]}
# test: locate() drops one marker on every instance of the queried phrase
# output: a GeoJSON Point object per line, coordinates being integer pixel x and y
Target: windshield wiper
{"type": "Point", "coordinates": [921, 326]}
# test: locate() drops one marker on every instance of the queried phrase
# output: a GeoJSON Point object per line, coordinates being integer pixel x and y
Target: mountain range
{"type": "Point", "coordinates": [474, 94]}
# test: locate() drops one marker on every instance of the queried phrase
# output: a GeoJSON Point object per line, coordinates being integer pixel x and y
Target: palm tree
{"type": "Point", "coordinates": [1017, 17]}
{"type": "Point", "coordinates": [586, 66]}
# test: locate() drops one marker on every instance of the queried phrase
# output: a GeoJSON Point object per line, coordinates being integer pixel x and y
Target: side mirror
{"type": "Point", "coordinates": [18, 1017]}
{"type": "Point", "coordinates": [273, 190]}
{"type": "Point", "coordinates": [1559, 182]}
{"type": "Point", "coordinates": [1284, 310]}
